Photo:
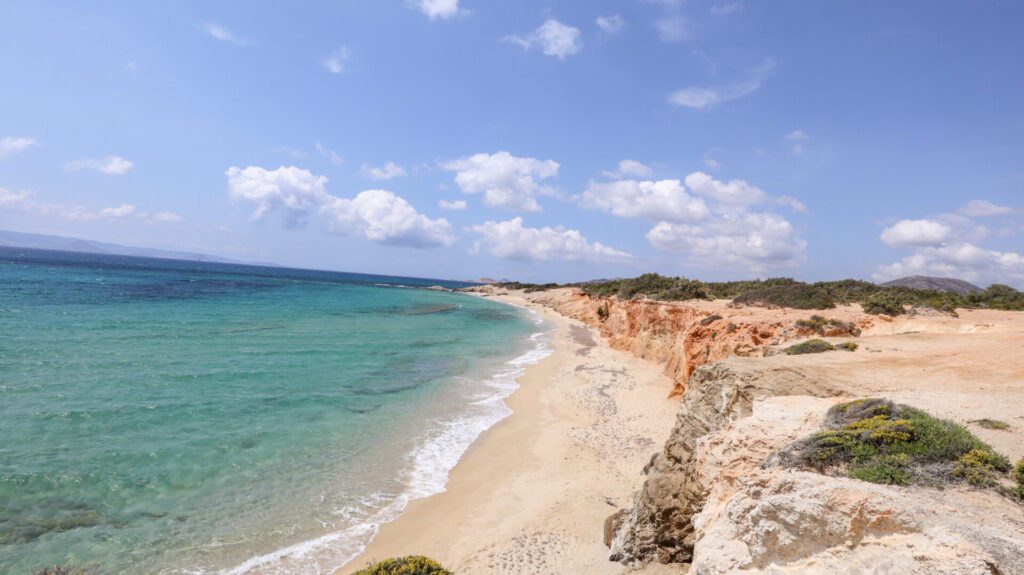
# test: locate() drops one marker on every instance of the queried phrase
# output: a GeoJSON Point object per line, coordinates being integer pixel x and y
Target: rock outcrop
{"type": "Point", "coordinates": [709, 500]}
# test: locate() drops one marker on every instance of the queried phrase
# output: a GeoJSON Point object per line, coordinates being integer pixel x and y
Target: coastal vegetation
{"type": "Point", "coordinates": [810, 346]}
{"type": "Point", "coordinates": [991, 424]}
{"type": "Point", "coordinates": [787, 292]}
{"type": "Point", "coordinates": [879, 441]}
{"type": "Point", "coordinates": [411, 565]}
{"type": "Point", "coordinates": [827, 327]}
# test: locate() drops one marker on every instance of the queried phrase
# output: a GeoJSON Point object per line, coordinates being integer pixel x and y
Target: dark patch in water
{"type": "Point", "coordinates": [247, 329]}
{"type": "Point", "coordinates": [248, 443]}
{"type": "Point", "coordinates": [423, 309]}
{"type": "Point", "coordinates": [362, 408]}
{"type": "Point", "coordinates": [22, 525]}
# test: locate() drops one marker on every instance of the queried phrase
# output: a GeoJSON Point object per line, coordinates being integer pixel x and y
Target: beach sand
{"type": "Point", "coordinates": [532, 493]}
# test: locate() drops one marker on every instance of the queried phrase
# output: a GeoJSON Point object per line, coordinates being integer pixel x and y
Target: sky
{"type": "Point", "coordinates": [536, 141]}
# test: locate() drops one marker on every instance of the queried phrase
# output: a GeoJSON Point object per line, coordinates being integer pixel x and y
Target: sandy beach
{"type": "Point", "coordinates": [531, 495]}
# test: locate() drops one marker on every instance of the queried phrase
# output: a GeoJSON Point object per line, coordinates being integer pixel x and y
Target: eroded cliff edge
{"type": "Point", "coordinates": [709, 499]}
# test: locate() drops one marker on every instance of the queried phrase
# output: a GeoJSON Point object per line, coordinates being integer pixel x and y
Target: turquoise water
{"type": "Point", "coordinates": [178, 417]}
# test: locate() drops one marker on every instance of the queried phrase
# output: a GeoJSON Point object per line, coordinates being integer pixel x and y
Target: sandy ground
{"type": "Point", "coordinates": [531, 495]}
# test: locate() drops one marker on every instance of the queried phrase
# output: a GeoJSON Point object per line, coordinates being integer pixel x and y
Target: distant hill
{"type": "Point", "coordinates": [942, 284]}
{"type": "Point", "coordinates": [47, 242]}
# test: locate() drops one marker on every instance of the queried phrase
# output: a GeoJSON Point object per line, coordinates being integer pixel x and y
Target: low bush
{"type": "Point", "coordinates": [991, 424]}
{"type": "Point", "coordinates": [412, 565]}
{"type": "Point", "coordinates": [796, 295]}
{"type": "Point", "coordinates": [810, 346]}
{"type": "Point", "coordinates": [848, 346]}
{"type": "Point", "coordinates": [882, 442]}
{"type": "Point", "coordinates": [603, 311]}
{"type": "Point", "coordinates": [883, 303]}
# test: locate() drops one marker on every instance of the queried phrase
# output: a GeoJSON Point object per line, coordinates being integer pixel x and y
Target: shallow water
{"type": "Point", "coordinates": [177, 417]}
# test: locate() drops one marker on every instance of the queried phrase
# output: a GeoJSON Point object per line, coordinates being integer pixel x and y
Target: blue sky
{"type": "Point", "coordinates": [541, 141]}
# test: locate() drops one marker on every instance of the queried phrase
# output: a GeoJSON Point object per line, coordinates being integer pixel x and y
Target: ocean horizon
{"type": "Point", "coordinates": [173, 416]}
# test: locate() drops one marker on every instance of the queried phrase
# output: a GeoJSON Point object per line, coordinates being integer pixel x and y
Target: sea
{"type": "Point", "coordinates": [179, 417]}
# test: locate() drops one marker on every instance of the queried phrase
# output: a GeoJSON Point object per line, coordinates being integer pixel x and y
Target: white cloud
{"type": "Point", "coordinates": [672, 29]}
{"type": "Point", "coordinates": [711, 162]}
{"type": "Point", "coordinates": [725, 232]}
{"type": "Point", "coordinates": [383, 217]}
{"type": "Point", "coordinates": [388, 171]}
{"type": "Point", "coordinates": [630, 168]}
{"type": "Point", "coordinates": [700, 98]}
{"type": "Point", "coordinates": [916, 233]}
{"type": "Point", "coordinates": [554, 38]}
{"type": "Point", "coordinates": [456, 205]}
{"type": "Point", "coordinates": [113, 165]}
{"type": "Point", "coordinates": [377, 215]}
{"type": "Point", "coordinates": [12, 145]}
{"type": "Point", "coordinates": [223, 34]}
{"type": "Point", "coordinates": [505, 180]}
{"type": "Point", "coordinates": [735, 192]}
{"type": "Point", "coordinates": [121, 211]}
{"type": "Point", "coordinates": [434, 9]}
{"type": "Point", "coordinates": [24, 201]}
{"type": "Point", "coordinates": [335, 61]}
{"type": "Point", "coordinates": [510, 240]}
{"type": "Point", "coordinates": [760, 241]}
{"type": "Point", "coordinates": [610, 24]}
{"type": "Point", "coordinates": [959, 260]}
{"type": "Point", "coordinates": [725, 9]}
{"type": "Point", "coordinates": [792, 203]}
{"type": "Point", "coordinates": [797, 137]}
{"type": "Point", "coordinates": [664, 200]}
{"type": "Point", "coordinates": [331, 155]}
{"type": "Point", "coordinates": [984, 208]}
{"type": "Point", "coordinates": [167, 217]}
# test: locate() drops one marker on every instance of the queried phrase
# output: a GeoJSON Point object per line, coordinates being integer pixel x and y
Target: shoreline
{"type": "Point", "coordinates": [531, 492]}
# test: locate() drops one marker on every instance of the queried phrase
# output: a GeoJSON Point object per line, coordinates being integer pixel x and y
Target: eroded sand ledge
{"type": "Point", "coordinates": [532, 494]}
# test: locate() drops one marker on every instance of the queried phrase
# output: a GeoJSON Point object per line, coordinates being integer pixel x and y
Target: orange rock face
{"type": "Point", "coordinates": [680, 335]}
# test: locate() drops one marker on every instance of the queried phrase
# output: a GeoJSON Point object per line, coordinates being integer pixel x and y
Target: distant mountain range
{"type": "Point", "coordinates": [47, 242]}
{"type": "Point", "coordinates": [941, 284]}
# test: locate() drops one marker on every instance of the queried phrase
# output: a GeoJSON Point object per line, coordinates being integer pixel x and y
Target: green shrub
{"type": "Point", "coordinates": [796, 295]}
{"type": "Point", "coordinates": [810, 346]}
{"type": "Point", "coordinates": [883, 303]}
{"type": "Point", "coordinates": [603, 311]}
{"type": "Point", "coordinates": [848, 346]}
{"type": "Point", "coordinates": [991, 424]}
{"type": "Point", "coordinates": [876, 440]}
{"type": "Point", "coordinates": [979, 467]}
{"type": "Point", "coordinates": [411, 565]}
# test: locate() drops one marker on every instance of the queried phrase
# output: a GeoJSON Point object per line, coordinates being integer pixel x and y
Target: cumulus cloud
{"type": "Point", "coordinates": [114, 165]}
{"type": "Point", "coordinates": [511, 240]}
{"type": "Point", "coordinates": [554, 38]}
{"type": "Point", "coordinates": [959, 260]}
{"type": "Point", "coordinates": [437, 9]}
{"type": "Point", "coordinates": [124, 210]}
{"type": "Point", "coordinates": [296, 194]}
{"type": "Point", "coordinates": [916, 233]}
{"type": "Point", "coordinates": [984, 208]}
{"type": "Point", "coordinates": [223, 34]}
{"type": "Point", "coordinates": [947, 245]}
{"type": "Point", "coordinates": [664, 200]}
{"type": "Point", "coordinates": [388, 171]}
{"type": "Point", "coordinates": [12, 145]}
{"type": "Point", "coordinates": [759, 240]}
{"type": "Point", "coordinates": [711, 221]}
{"type": "Point", "coordinates": [630, 168]}
{"type": "Point", "coordinates": [505, 180]}
{"type": "Point", "coordinates": [456, 205]}
{"type": "Point", "coordinates": [734, 192]}
{"type": "Point", "coordinates": [336, 61]}
{"type": "Point", "coordinates": [700, 98]}
{"type": "Point", "coordinates": [610, 24]}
